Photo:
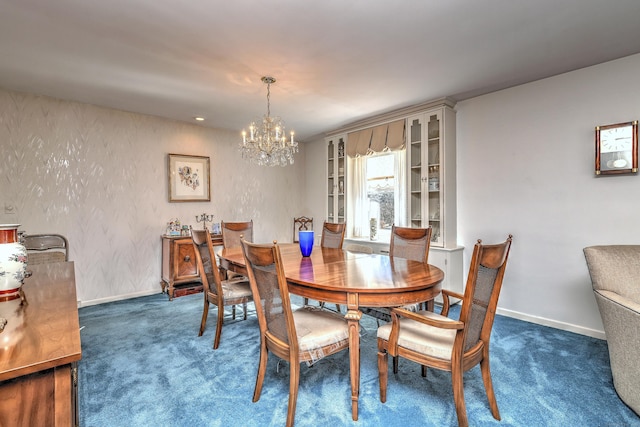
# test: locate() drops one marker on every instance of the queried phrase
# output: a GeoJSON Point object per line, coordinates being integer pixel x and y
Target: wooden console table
{"type": "Point", "coordinates": [179, 265]}
{"type": "Point", "coordinates": [40, 351]}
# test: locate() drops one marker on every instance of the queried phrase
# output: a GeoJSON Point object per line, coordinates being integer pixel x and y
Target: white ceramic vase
{"type": "Point", "coordinates": [13, 260]}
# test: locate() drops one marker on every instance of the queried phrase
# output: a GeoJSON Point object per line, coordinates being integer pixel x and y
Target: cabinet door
{"type": "Point", "coordinates": [185, 258]}
{"type": "Point", "coordinates": [433, 177]}
{"type": "Point", "coordinates": [425, 173]}
{"type": "Point", "coordinates": [415, 156]}
{"type": "Point", "coordinates": [336, 179]}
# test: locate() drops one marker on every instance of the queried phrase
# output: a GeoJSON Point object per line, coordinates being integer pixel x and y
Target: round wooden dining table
{"type": "Point", "coordinates": [354, 280]}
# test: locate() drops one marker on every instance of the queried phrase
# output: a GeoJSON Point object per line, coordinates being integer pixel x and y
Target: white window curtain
{"type": "Point", "coordinates": [400, 196]}
{"type": "Point", "coordinates": [358, 196]}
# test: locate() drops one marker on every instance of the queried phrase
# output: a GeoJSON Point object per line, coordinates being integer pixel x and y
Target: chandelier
{"type": "Point", "coordinates": [266, 144]}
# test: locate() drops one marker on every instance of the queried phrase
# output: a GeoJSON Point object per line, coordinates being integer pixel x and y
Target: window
{"type": "Point", "coordinates": [378, 194]}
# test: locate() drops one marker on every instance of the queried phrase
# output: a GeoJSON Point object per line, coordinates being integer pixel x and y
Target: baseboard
{"type": "Point", "coordinates": [552, 323]}
{"type": "Point", "coordinates": [508, 313]}
{"type": "Point", "coordinates": [117, 298]}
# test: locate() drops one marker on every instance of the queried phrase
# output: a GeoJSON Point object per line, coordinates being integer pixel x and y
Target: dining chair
{"type": "Point", "coordinates": [299, 224]}
{"type": "Point", "coordinates": [333, 234]}
{"type": "Point", "coordinates": [306, 334]}
{"type": "Point", "coordinates": [408, 243]}
{"type": "Point", "coordinates": [232, 232]}
{"type": "Point", "coordinates": [216, 291]}
{"type": "Point", "coordinates": [46, 248]}
{"type": "Point", "coordinates": [434, 340]}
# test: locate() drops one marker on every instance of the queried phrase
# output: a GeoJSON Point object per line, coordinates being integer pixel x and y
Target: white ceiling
{"type": "Point", "coordinates": [335, 61]}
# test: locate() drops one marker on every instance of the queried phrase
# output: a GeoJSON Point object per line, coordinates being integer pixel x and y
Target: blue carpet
{"type": "Point", "coordinates": [144, 365]}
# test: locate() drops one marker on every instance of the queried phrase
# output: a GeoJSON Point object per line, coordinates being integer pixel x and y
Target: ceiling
{"type": "Point", "coordinates": [335, 61]}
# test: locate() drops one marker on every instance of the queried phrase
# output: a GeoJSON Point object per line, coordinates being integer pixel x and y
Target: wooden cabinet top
{"type": "Point", "coordinates": [44, 332]}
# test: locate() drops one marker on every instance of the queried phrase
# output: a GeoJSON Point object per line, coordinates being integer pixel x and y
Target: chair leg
{"type": "Point", "coordinates": [424, 371]}
{"type": "Point", "coordinates": [395, 364]}
{"type": "Point", "coordinates": [262, 369]}
{"type": "Point", "coordinates": [244, 308]}
{"type": "Point", "coordinates": [294, 378]}
{"type": "Point", "coordinates": [458, 395]}
{"type": "Point", "coordinates": [306, 301]}
{"type": "Point", "coordinates": [383, 369]}
{"type": "Point", "coordinates": [233, 312]}
{"type": "Point", "coordinates": [338, 308]}
{"type": "Point", "coordinates": [216, 341]}
{"type": "Point", "coordinates": [205, 314]}
{"type": "Point", "coordinates": [488, 385]}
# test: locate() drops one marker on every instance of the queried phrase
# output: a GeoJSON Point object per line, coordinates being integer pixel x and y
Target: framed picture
{"type": "Point", "coordinates": [188, 178]}
{"type": "Point", "coordinates": [617, 148]}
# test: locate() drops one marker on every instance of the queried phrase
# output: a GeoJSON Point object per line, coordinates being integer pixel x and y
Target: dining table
{"type": "Point", "coordinates": [352, 279]}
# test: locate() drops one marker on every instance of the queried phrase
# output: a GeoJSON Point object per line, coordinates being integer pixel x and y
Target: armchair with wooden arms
{"type": "Point", "coordinates": [303, 335]}
{"type": "Point", "coordinates": [216, 291]}
{"type": "Point", "coordinates": [434, 340]}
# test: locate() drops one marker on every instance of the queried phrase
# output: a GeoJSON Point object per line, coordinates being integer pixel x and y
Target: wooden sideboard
{"type": "Point", "coordinates": [179, 265]}
{"type": "Point", "coordinates": [40, 350]}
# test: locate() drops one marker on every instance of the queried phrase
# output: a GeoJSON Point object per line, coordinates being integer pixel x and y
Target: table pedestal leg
{"type": "Point", "coordinates": [353, 317]}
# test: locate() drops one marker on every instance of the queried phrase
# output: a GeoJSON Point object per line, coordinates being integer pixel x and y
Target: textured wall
{"type": "Point", "coordinates": [99, 176]}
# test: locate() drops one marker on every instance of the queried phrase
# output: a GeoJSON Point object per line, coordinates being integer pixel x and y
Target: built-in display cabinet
{"type": "Point", "coordinates": [430, 135]}
{"type": "Point", "coordinates": [336, 178]}
{"type": "Point", "coordinates": [431, 157]}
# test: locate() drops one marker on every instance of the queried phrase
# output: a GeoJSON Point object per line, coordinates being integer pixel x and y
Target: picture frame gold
{"type": "Point", "coordinates": [617, 148]}
{"type": "Point", "coordinates": [189, 178]}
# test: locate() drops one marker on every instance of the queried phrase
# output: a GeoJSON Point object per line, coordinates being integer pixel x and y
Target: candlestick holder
{"type": "Point", "coordinates": [204, 219]}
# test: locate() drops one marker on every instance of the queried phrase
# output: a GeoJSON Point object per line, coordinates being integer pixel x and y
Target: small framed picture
{"type": "Point", "coordinates": [188, 178]}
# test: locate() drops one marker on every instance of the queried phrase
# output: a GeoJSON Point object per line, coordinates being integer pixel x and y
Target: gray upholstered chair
{"type": "Point", "coordinates": [46, 248]}
{"type": "Point", "coordinates": [615, 277]}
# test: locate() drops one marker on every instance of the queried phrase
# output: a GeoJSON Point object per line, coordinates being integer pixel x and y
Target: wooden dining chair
{"type": "Point", "coordinates": [300, 224]}
{"type": "Point", "coordinates": [216, 291]}
{"type": "Point", "coordinates": [306, 334]}
{"type": "Point", "coordinates": [232, 232]}
{"type": "Point", "coordinates": [46, 248]}
{"type": "Point", "coordinates": [434, 340]}
{"type": "Point", "coordinates": [408, 243]}
{"type": "Point", "coordinates": [333, 234]}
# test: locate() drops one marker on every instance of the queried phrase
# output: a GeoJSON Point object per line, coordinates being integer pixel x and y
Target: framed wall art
{"type": "Point", "coordinates": [617, 148]}
{"type": "Point", "coordinates": [188, 178]}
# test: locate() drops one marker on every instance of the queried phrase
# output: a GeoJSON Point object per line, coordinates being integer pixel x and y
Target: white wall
{"type": "Point", "coordinates": [526, 166]}
{"type": "Point", "coordinates": [525, 162]}
{"type": "Point", "coordinates": [99, 176]}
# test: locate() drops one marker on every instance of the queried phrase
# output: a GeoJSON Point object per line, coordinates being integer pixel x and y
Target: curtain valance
{"type": "Point", "coordinates": [389, 136]}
